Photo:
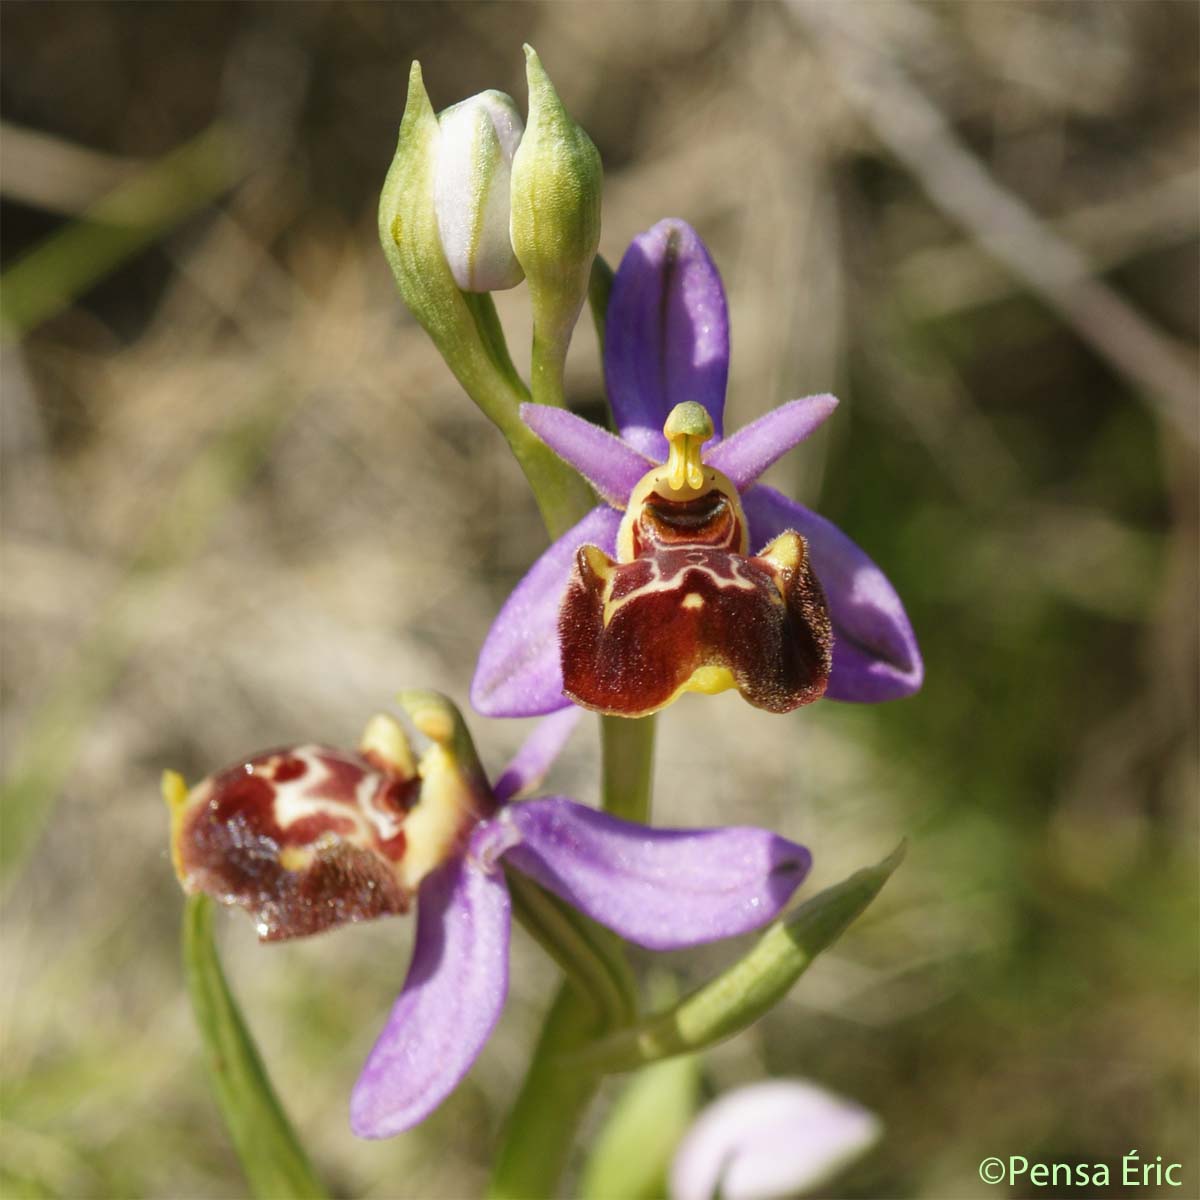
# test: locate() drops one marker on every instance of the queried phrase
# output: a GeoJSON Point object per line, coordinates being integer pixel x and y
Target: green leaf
{"type": "Point", "coordinates": [121, 224]}
{"type": "Point", "coordinates": [275, 1165]}
{"type": "Point", "coordinates": [737, 997]}
{"type": "Point", "coordinates": [633, 1151]}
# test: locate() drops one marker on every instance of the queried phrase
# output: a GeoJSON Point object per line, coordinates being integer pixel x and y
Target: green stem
{"type": "Point", "coordinates": [541, 1126]}
{"type": "Point", "coordinates": [552, 1101]}
{"type": "Point", "coordinates": [627, 747]}
{"type": "Point", "coordinates": [548, 361]}
{"type": "Point", "coordinates": [557, 1090]}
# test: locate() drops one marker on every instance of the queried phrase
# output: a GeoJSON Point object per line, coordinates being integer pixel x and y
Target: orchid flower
{"type": "Point", "coordinates": [769, 1140]}
{"type": "Point", "coordinates": [309, 838]}
{"type": "Point", "coordinates": [704, 615]}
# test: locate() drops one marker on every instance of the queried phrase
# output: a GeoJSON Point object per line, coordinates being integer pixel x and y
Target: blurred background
{"type": "Point", "coordinates": [245, 502]}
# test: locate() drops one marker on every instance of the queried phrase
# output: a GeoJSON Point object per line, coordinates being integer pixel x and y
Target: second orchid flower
{"type": "Point", "coordinates": [684, 607]}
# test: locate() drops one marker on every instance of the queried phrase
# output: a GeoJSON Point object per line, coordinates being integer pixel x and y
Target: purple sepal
{"type": "Point", "coordinates": [519, 673]}
{"type": "Point", "coordinates": [666, 336]}
{"type": "Point", "coordinates": [536, 755]}
{"type": "Point", "coordinates": [451, 1001]}
{"type": "Point", "coordinates": [609, 465]}
{"type": "Point", "coordinates": [745, 455]}
{"type": "Point", "coordinates": [875, 653]}
{"type": "Point", "coordinates": [661, 888]}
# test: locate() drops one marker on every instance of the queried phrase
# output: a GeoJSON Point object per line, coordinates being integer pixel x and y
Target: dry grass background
{"type": "Point", "coordinates": [244, 503]}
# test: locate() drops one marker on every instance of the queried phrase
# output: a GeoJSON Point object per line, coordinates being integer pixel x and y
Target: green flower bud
{"type": "Point", "coordinates": [556, 183]}
{"type": "Point", "coordinates": [463, 327]}
{"type": "Point", "coordinates": [478, 138]}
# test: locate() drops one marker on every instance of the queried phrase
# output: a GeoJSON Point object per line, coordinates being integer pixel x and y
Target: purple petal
{"type": "Point", "coordinates": [875, 653]}
{"type": "Point", "coordinates": [667, 334]}
{"type": "Point", "coordinates": [519, 673]}
{"type": "Point", "coordinates": [745, 455]}
{"type": "Point", "coordinates": [661, 888]}
{"type": "Point", "coordinates": [609, 465]}
{"type": "Point", "coordinates": [450, 1003]}
{"type": "Point", "coordinates": [536, 755]}
{"type": "Point", "coordinates": [771, 1139]}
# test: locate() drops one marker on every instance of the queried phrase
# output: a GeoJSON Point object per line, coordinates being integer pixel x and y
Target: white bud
{"type": "Point", "coordinates": [477, 140]}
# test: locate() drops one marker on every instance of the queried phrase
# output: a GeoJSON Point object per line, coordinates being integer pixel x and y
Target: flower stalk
{"type": "Point", "coordinates": [557, 1089]}
{"type": "Point", "coordinates": [556, 181]}
{"type": "Point", "coordinates": [627, 750]}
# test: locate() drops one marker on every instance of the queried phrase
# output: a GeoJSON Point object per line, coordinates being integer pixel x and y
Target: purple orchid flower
{"type": "Point", "coordinates": [667, 345]}
{"type": "Point", "coordinates": [309, 838]}
{"type": "Point", "coordinates": [770, 1140]}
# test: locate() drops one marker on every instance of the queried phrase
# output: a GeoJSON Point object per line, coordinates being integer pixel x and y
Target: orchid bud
{"type": "Point", "coordinates": [478, 139]}
{"type": "Point", "coordinates": [556, 180]}
{"type": "Point", "coordinates": [462, 326]}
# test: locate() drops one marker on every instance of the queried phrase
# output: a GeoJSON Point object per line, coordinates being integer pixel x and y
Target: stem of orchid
{"type": "Point", "coordinates": [627, 750]}
{"type": "Point", "coordinates": [541, 1126]}
{"type": "Point", "coordinates": [553, 1100]}
{"type": "Point", "coordinates": [561, 493]}
{"type": "Point", "coordinates": [548, 361]}
{"type": "Point", "coordinates": [563, 496]}
{"type": "Point", "coordinates": [588, 955]}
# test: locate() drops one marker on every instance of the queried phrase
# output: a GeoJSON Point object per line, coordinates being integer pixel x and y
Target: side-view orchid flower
{"type": "Point", "coordinates": [683, 606]}
{"type": "Point", "coordinates": [309, 838]}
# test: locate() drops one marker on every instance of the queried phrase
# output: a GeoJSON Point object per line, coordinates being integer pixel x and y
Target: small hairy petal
{"type": "Point", "coordinates": [745, 455]}
{"type": "Point", "coordinates": [875, 653]}
{"type": "Point", "coordinates": [518, 672]}
{"type": "Point", "coordinates": [536, 755]}
{"type": "Point", "coordinates": [666, 336]}
{"type": "Point", "coordinates": [450, 1003]}
{"type": "Point", "coordinates": [661, 888]}
{"type": "Point", "coordinates": [606, 462]}
{"type": "Point", "coordinates": [769, 1140]}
